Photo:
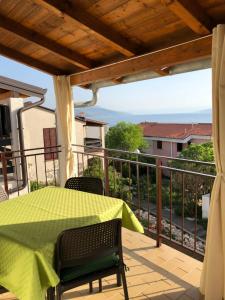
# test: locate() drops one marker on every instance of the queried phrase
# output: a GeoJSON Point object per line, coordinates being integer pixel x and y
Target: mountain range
{"type": "Point", "coordinates": [112, 117]}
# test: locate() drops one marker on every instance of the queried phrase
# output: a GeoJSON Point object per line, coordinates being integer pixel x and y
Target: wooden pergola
{"type": "Point", "coordinates": [109, 42]}
{"type": "Point", "coordinates": [104, 42]}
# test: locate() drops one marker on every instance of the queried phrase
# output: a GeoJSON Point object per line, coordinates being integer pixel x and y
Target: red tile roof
{"type": "Point", "coordinates": [175, 130]}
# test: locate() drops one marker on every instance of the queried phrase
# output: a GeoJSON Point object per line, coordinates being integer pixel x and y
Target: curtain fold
{"type": "Point", "coordinates": [65, 126]}
{"type": "Point", "coordinates": [213, 279]}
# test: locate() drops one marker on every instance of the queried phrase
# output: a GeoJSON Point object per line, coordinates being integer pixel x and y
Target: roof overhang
{"type": "Point", "coordinates": [105, 43]}
{"type": "Point", "coordinates": [21, 88]}
{"type": "Point", "coordinates": [178, 140]}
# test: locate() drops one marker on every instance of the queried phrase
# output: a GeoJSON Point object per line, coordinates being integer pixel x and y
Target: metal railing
{"type": "Point", "coordinates": [39, 171]}
{"type": "Point", "coordinates": [92, 142]}
{"type": "Point", "coordinates": [165, 193]}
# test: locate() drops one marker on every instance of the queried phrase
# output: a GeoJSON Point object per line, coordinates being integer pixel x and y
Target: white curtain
{"type": "Point", "coordinates": [213, 279]}
{"type": "Point", "coordinates": [65, 127]}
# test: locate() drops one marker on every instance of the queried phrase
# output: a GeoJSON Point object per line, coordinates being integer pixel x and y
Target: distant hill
{"type": "Point", "coordinates": [112, 117]}
{"type": "Point", "coordinates": [205, 111]}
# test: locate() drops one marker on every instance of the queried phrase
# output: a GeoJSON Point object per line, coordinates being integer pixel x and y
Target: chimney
{"type": "Point", "coordinates": [81, 115]}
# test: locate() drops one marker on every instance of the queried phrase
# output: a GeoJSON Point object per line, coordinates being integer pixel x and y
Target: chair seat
{"type": "Point", "coordinates": [69, 274]}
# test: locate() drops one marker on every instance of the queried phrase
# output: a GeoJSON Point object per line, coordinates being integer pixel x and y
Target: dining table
{"type": "Point", "coordinates": [30, 225]}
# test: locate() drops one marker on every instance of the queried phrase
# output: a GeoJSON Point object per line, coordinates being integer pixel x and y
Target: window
{"type": "Point", "coordinates": [159, 144]}
{"type": "Point", "coordinates": [179, 147]}
{"type": "Point", "coordinates": [5, 123]}
{"type": "Point", "coordinates": [50, 140]}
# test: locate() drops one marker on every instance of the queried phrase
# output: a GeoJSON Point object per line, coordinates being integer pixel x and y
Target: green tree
{"type": "Point", "coordinates": [125, 136]}
{"type": "Point", "coordinates": [118, 185]}
{"type": "Point", "coordinates": [196, 152]}
{"type": "Point", "coordinates": [95, 168]}
{"type": "Point", "coordinates": [191, 185]}
{"type": "Point", "coordinates": [200, 152]}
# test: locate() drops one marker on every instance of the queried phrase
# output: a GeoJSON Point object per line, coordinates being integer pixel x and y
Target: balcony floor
{"type": "Point", "coordinates": [155, 273]}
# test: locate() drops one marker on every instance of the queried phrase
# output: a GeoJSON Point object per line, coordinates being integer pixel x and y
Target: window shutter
{"type": "Point", "coordinates": [53, 142]}
{"type": "Point", "coordinates": [50, 140]}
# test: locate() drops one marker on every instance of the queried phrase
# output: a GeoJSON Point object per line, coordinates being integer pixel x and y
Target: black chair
{"type": "Point", "coordinates": [89, 253]}
{"type": "Point", "coordinates": [3, 290]}
{"type": "Point", "coordinates": [85, 184]}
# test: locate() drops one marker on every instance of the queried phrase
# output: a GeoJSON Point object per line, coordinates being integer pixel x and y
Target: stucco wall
{"type": "Point", "coordinates": [35, 120]}
{"type": "Point", "coordinates": [169, 148]}
{"type": "Point", "coordinates": [200, 141]}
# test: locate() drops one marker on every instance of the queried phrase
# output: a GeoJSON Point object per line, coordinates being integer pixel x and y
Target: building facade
{"type": "Point", "coordinates": [167, 139]}
{"type": "Point", "coordinates": [39, 133]}
{"type": "Point", "coordinates": [42, 122]}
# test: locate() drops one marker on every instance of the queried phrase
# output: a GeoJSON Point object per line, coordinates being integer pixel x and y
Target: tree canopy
{"type": "Point", "coordinates": [125, 136]}
{"type": "Point", "coordinates": [196, 152]}
{"type": "Point", "coordinates": [194, 185]}
{"type": "Point", "coordinates": [201, 152]}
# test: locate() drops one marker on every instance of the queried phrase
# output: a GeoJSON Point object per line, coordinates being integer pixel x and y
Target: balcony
{"type": "Point", "coordinates": [167, 197]}
{"type": "Point", "coordinates": [154, 273]}
{"type": "Point", "coordinates": [92, 144]}
{"type": "Point", "coordinates": [165, 200]}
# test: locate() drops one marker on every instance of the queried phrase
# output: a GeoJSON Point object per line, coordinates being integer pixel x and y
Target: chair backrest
{"type": "Point", "coordinates": [77, 246]}
{"type": "Point", "coordinates": [85, 184]}
{"type": "Point", "coordinates": [3, 194]}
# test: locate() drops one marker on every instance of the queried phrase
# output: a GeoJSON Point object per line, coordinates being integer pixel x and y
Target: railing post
{"type": "Point", "coordinates": [4, 172]}
{"type": "Point", "coordinates": [159, 200]}
{"type": "Point", "coordinates": [138, 187]}
{"type": "Point", "coordinates": [106, 172]}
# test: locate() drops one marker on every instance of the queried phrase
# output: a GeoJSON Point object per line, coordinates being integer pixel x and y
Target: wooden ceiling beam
{"type": "Point", "coordinates": [5, 95]}
{"type": "Point", "coordinates": [192, 14]}
{"type": "Point", "coordinates": [29, 61]}
{"type": "Point", "coordinates": [40, 40]}
{"type": "Point", "coordinates": [162, 72]}
{"type": "Point", "coordinates": [90, 24]}
{"type": "Point", "coordinates": [179, 54]}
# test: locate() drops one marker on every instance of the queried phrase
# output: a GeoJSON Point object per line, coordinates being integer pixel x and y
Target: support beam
{"type": "Point", "coordinates": [29, 61]}
{"type": "Point", "coordinates": [5, 95]}
{"type": "Point", "coordinates": [175, 55]}
{"type": "Point", "coordinates": [192, 14]}
{"type": "Point", "coordinates": [79, 17]}
{"type": "Point", "coordinates": [40, 40]}
{"type": "Point", "coordinates": [162, 72]}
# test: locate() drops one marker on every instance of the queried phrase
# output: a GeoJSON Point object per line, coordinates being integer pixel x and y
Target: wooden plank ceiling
{"type": "Point", "coordinates": [81, 37]}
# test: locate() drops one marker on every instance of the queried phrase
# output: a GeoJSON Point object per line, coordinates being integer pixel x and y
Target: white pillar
{"type": "Point", "coordinates": [205, 206]}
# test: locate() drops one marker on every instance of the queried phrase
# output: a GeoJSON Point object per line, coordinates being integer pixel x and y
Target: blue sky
{"type": "Point", "coordinates": [178, 93]}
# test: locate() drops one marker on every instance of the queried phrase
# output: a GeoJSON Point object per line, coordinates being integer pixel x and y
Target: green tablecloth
{"type": "Point", "coordinates": [30, 224]}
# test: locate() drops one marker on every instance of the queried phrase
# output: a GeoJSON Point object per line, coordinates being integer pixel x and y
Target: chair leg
{"type": "Point", "coordinates": [58, 293]}
{"type": "Point", "coordinates": [50, 293]}
{"type": "Point", "coordinates": [58, 296]}
{"type": "Point", "coordinates": [100, 285]}
{"type": "Point", "coordinates": [118, 276]}
{"type": "Point", "coordinates": [90, 287]}
{"type": "Point", "coordinates": [126, 296]}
